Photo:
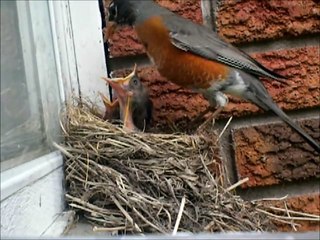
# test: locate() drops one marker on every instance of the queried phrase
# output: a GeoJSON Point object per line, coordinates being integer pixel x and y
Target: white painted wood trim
{"type": "Point", "coordinates": [64, 48]}
{"type": "Point", "coordinates": [89, 49]}
{"type": "Point", "coordinates": [56, 50]}
{"type": "Point", "coordinates": [18, 177]}
{"type": "Point", "coordinates": [79, 48]}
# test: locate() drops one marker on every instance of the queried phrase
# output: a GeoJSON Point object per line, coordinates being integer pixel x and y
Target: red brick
{"type": "Point", "coordinates": [125, 41]}
{"type": "Point", "coordinates": [301, 66]}
{"type": "Point", "coordinates": [274, 153]}
{"type": "Point", "coordinates": [306, 204]}
{"type": "Point", "coordinates": [252, 20]}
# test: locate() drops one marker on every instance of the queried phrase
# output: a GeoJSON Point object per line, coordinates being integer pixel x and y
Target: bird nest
{"type": "Point", "coordinates": [151, 182]}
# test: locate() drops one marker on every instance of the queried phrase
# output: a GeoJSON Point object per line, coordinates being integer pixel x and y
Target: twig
{"type": "Point", "coordinates": [176, 226]}
{"type": "Point", "coordinates": [224, 129]}
{"type": "Point", "coordinates": [148, 222]}
{"type": "Point", "coordinates": [126, 214]}
{"type": "Point", "coordinates": [87, 172]}
{"type": "Point", "coordinates": [111, 229]}
{"type": "Point", "coordinates": [288, 218]}
{"type": "Point", "coordinates": [270, 199]}
{"type": "Point", "coordinates": [287, 222]}
{"type": "Point", "coordinates": [288, 213]}
{"type": "Point", "coordinates": [207, 171]}
{"type": "Point", "coordinates": [242, 181]}
{"type": "Point", "coordinates": [64, 151]}
{"type": "Point", "coordinates": [295, 212]}
{"type": "Point", "coordinates": [86, 204]}
{"type": "Point", "coordinates": [209, 226]}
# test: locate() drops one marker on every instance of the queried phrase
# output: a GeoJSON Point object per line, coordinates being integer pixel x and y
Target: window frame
{"type": "Point", "coordinates": [68, 56]}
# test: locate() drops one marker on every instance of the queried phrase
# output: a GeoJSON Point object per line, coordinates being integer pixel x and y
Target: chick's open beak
{"type": "Point", "coordinates": [107, 103]}
{"type": "Point", "coordinates": [111, 108]}
{"type": "Point", "coordinates": [120, 86]}
{"type": "Point", "coordinates": [128, 115]}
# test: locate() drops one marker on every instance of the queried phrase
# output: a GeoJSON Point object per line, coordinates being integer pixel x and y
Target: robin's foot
{"type": "Point", "coordinates": [201, 115]}
{"type": "Point", "coordinates": [211, 118]}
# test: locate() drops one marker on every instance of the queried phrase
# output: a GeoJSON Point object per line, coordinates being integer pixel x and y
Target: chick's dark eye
{"type": "Point", "coordinates": [135, 81]}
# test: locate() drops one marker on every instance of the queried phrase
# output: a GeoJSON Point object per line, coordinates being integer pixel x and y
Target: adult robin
{"type": "Point", "coordinates": [193, 56]}
{"type": "Point", "coordinates": [134, 102]}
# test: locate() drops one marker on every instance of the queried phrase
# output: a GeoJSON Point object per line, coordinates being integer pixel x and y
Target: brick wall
{"type": "Point", "coordinates": [282, 35]}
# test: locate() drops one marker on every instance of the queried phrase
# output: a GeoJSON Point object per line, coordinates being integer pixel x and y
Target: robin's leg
{"type": "Point", "coordinates": [215, 99]}
{"type": "Point", "coordinates": [212, 107]}
{"type": "Point", "coordinates": [202, 114]}
{"type": "Point", "coordinates": [211, 118]}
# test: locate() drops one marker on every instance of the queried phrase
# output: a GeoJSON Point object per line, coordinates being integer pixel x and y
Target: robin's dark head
{"type": "Point", "coordinates": [129, 12]}
{"type": "Point", "coordinates": [122, 12]}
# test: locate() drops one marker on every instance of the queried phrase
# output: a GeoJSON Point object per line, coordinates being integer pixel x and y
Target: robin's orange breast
{"type": "Point", "coordinates": [181, 67]}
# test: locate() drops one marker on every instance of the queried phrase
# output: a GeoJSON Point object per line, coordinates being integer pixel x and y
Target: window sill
{"type": "Point", "coordinates": [14, 179]}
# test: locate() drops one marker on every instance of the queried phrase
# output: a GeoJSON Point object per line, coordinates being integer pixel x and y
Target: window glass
{"type": "Point", "coordinates": [23, 134]}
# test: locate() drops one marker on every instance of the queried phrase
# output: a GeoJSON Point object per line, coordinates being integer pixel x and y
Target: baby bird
{"type": "Point", "coordinates": [134, 101]}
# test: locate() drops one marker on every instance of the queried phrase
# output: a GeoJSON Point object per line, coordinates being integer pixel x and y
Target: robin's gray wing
{"type": "Point", "coordinates": [202, 41]}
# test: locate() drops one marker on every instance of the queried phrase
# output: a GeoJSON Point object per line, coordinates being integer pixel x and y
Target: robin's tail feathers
{"type": "Point", "coordinates": [274, 108]}
{"type": "Point", "coordinates": [257, 94]}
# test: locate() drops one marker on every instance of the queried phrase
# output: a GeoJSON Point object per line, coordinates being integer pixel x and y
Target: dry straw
{"type": "Point", "coordinates": [146, 182]}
